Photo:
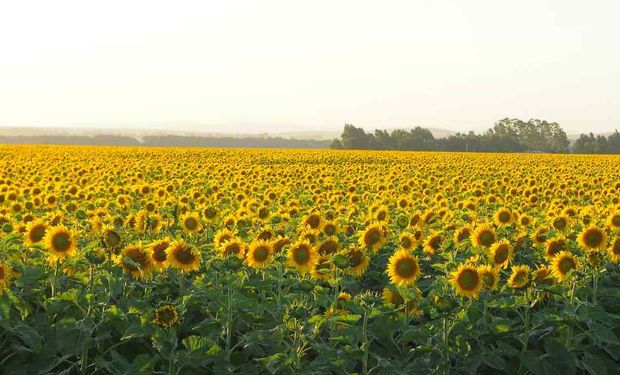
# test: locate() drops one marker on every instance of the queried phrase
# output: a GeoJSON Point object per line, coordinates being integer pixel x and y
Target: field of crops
{"type": "Point", "coordinates": [193, 261]}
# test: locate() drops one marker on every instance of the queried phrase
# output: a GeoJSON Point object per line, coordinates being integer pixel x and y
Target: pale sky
{"type": "Point", "coordinates": [312, 65]}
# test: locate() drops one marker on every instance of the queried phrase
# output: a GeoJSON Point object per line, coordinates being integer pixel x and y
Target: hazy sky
{"type": "Point", "coordinates": [311, 65]}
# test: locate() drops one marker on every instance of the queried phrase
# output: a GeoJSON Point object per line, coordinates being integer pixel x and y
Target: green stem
{"type": "Point", "coordinates": [365, 343]}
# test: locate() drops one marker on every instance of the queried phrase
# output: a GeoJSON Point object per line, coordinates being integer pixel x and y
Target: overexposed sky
{"type": "Point", "coordinates": [309, 65]}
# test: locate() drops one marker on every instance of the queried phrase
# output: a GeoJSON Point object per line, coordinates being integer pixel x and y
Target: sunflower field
{"type": "Point", "coordinates": [192, 261]}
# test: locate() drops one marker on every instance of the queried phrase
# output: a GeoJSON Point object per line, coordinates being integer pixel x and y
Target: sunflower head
{"type": "Point", "coordinates": [592, 238]}
{"type": "Point", "coordinates": [503, 217]}
{"type": "Point", "coordinates": [614, 250]}
{"type": "Point", "coordinates": [5, 276]}
{"type": "Point", "coordinates": [137, 260]}
{"type": "Point", "coordinates": [60, 242]}
{"type": "Point", "coordinates": [191, 223]}
{"type": "Point", "coordinates": [324, 268]}
{"type": "Point", "coordinates": [166, 316]}
{"type": "Point", "coordinates": [467, 281]}
{"type": "Point", "coordinates": [358, 262]}
{"type": "Point", "coordinates": [35, 232]}
{"type": "Point", "coordinates": [372, 237]}
{"type": "Point", "coordinates": [490, 276]}
{"type": "Point", "coordinates": [302, 256]}
{"type": "Point", "coordinates": [403, 268]}
{"type": "Point", "coordinates": [158, 252]}
{"type": "Point", "coordinates": [519, 277]}
{"type": "Point", "coordinates": [259, 254]}
{"type": "Point", "coordinates": [563, 264]}
{"type": "Point", "coordinates": [484, 236]}
{"type": "Point", "coordinates": [433, 243]}
{"type": "Point", "coordinates": [500, 253]}
{"type": "Point", "coordinates": [183, 256]}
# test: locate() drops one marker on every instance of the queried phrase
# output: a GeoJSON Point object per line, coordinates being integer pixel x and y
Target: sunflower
{"type": "Point", "coordinates": [158, 252]}
{"type": "Point", "coordinates": [111, 238]}
{"type": "Point", "coordinates": [222, 236]}
{"type": "Point", "coordinates": [542, 275]}
{"type": "Point", "coordinates": [312, 220]}
{"type": "Point", "coordinates": [60, 242]}
{"type": "Point", "coordinates": [503, 217]}
{"type": "Point", "coordinates": [562, 264]}
{"type": "Point", "coordinates": [407, 241]}
{"type": "Point", "coordinates": [259, 254]}
{"type": "Point", "coordinates": [329, 246]}
{"type": "Point", "coordinates": [166, 316]}
{"type": "Point", "coordinates": [613, 221]}
{"type": "Point", "coordinates": [340, 306]}
{"type": "Point", "coordinates": [5, 276]}
{"type": "Point", "coordinates": [490, 276]}
{"type": "Point", "coordinates": [553, 246]}
{"type": "Point", "coordinates": [403, 268]}
{"type": "Point", "coordinates": [182, 256]}
{"type": "Point", "coordinates": [500, 253]}
{"type": "Point", "coordinates": [323, 269]}
{"type": "Point", "coordinates": [310, 235]}
{"type": "Point", "coordinates": [592, 238]}
{"type": "Point", "coordinates": [561, 223]}
{"type": "Point", "coordinates": [35, 232]}
{"type": "Point", "coordinates": [540, 236]}
{"type": "Point", "coordinates": [519, 276]}
{"type": "Point", "coordinates": [137, 260]}
{"type": "Point", "coordinates": [279, 242]}
{"type": "Point", "coordinates": [462, 234]}
{"type": "Point", "coordinates": [467, 281]}
{"type": "Point", "coordinates": [302, 256]}
{"type": "Point", "coordinates": [614, 250]}
{"type": "Point", "coordinates": [358, 262]}
{"type": "Point", "coordinates": [191, 222]}
{"type": "Point", "coordinates": [484, 236]}
{"type": "Point", "coordinates": [525, 220]}
{"type": "Point", "coordinates": [433, 243]}
{"type": "Point", "coordinates": [234, 247]}
{"type": "Point", "coordinates": [372, 237]}
{"type": "Point", "coordinates": [330, 228]}
{"type": "Point", "coordinates": [393, 298]}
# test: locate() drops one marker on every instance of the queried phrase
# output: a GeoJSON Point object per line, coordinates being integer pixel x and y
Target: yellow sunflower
{"type": "Point", "coordinates": [403, 268]}
{"type": "Point", "coordinates": [234, 246]}
{"type": "Point", "coordinates": [500, 253]}
{"type": "Point", "coordinates": [302, 256]}
{"type": "Point", "coordinates": [158, 252]}
{"type": "Point", "coordinates": [613, 221]}
{"type": "Point", "coordinates": [35, 232]}
{"type": "Point", "coordinates": [137, 260]}
{"type": "Point", "coordinates": [503, 217]}
{"type": "Point", "coordinates": [614, 250]}
{"type": "Point", "coordinates": [5, 276]}
{"type": "Point", "coordinates": [358, 262]}
{"type": "Point", "coordinates": [323, 269]}
{"type": "Point", "coordinates": [592, 238]}
{"type": "Point", "coordinates": [329, 246]}
{"type": "Point", "coordinates": [259, 254]}
{"type": "Point", "coordinates": [182, 256]}
{"type": "Point", "coordinates": [562, 264]}
{"type": "Point", "coordinates": [393, 298]}
{"type": "Point", "coordinates": [191, 222]}
{"type": "Point", "coordinates": [462, 234]}
{"type": "Point", "coordinates": [407, 241]}
{"type": "Point", "coordinates": [111, 238]}
{"type": "Point", "coordinates": [372, 237]}
{"type": "Point", "coordinates": [484, 236]}
{"type": "Point", "coordinates": [467, 281]}
{"type": "Point", "coordinates": [519, 276]}
{"type": "Point", "coordinates": [222, 236]}
{"type": "Point", "coordinates": [60, 242]}
{"type": "Point", "coordinates": [433, 243]}
{"type": "Point", "coordinates": [490, 276]}
{"type": "Point", "coordinates": [553, 246]}
{"type": "Point", "coordinates": [542, 275]}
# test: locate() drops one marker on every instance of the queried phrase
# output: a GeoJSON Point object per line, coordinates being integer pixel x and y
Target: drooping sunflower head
{"type": "Point", "coordinates": [433, 243]}
{"type": "Point", "coordinates": [504, 217]}
{"type": "Point", "coordinates": [592, 238]}
{"type": "Point", "coordinates": [372, 237]}
{"type": "Point", "coordinates": [259, 254]}
{"type": "Point", "coordinates": [35, 232]}
{"type": "Point", "coordinates": [490, 276]}
{"type": "Point", "coordinates": [323, 269]}
{"type": "Point", "coordinates": [484, 236]}
{"type": "Point", "coordinates": [166, 316]}
{"type": "Point", "coordinates": [158, 252]}
{"type": "Point", "coordinates": [462, 234]}
{"type": "Point", "coordinates": [542, 275]}
{"type": "Point", "coordinates": [562, 264]}
{"type": "Point", "coordinates": [358, 262]}
{"type": "Point", "coordinates": [500, 253]}
{"type": "Point", "coordinates": [403, 268]}
{"type": "Point", "coordinates": [234, 247]}
{"type": "Point", "coordinates": [137, 260]}
{"type": "Point", "coordinates": [60, 242]}
{"type": "Point", "coordinates": [329, 246]}
{"type": "Point", "coordinates": [467, 281]}
{"type": "Point", "coordinates": [519, 277]}
{"type": "Point", "coordinates": [553, 246]}
{"type": "Point", "coordinates": [183, 256]}
{"type": "Point", "coordinates": [111, 238]}
{"type": "Point", "coordinates": [302, 256]}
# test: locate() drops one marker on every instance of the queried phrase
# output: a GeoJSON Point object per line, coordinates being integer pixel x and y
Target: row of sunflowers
{"type": "Point", "coordinates": [182, 261]}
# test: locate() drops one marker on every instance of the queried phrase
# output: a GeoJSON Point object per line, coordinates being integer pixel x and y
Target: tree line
{"type": "Point", "coordinates": [506, 135]}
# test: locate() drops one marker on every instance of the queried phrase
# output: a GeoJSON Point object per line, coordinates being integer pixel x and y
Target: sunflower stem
{"type": "Point", "coordinates": [365, 343]}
